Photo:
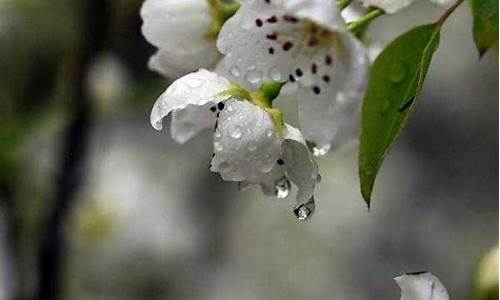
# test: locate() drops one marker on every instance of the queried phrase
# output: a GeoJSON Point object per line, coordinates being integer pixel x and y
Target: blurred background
{"type": "Point", "coordinates": [95, 204]}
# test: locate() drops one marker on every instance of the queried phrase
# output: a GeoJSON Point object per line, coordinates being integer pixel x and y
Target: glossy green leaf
{"type": "Point", "coordinates": [396, 78]}
{"type": "Point", "coordinates": [485, 13]}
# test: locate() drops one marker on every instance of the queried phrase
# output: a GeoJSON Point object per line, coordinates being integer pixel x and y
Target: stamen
{"type": "Point", "coordinates": [316, 90]}
{"type": "Point", "coordinates": [287, 46]}
{"type": "Point", "coordinates": [259, 22]}
{"type": "Point", "coordinates": [272, 20]}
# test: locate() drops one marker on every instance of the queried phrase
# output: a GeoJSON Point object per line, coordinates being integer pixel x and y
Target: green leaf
{"type": "Point", "coordinates": [485, 13]}
{"type": "Point", "coordinates": [396, 79]}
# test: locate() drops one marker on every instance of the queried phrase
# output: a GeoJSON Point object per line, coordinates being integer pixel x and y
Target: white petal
{"type": "Point", "coordinates": [442, 2]}
{"type": "Point", "coordinates": [174, 65]}
{"type": "Point", "coordinates": [331, 91]}
{"type": "Point", "coordinates": [246, 144]}
{"type": "Point", "coordinates": [389, 6]}
{"type": "Point", "coordinates": [300, 164]}
{"type": "Point", "coordinates": [190, 121]}
{"type": "Point", "coordinates": [198, 88]}
{"type": "Point", "coordinates": [178, 29]}
{"type": "Point", "coordinates": [261, 41]}
{"type": "Point", "coordinates": [421, 286]}
{"type": "Point", "coordinates": [174, 25]}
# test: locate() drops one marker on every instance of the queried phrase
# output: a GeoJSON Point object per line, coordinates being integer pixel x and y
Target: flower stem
{"type": "Point", "coordinates": [448, 12]}
{"type": "Point", "coordinates": [344, 3]}
{"type": "Point", "coordinates": [365, 20]}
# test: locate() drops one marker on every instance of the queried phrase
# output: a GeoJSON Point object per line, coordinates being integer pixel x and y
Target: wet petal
{"type": "Point", "coordinates": [198, 88]}
{"type": "Point", "coordinates": [421, 286]}
{"type": "Point", "coordinates": [178, 29]}
{"type": "Point", "coordinates": [276, 35]}
{"type": "Point", "coordinates": [245, 142]}
{"type": "Point", "coordinates": [389, 6]}
{"type": "Point", "coordinates": [300, 164]}
{"type": "Point", "coordinates": [190, 121]}
{"type": "Point", "coordinates": [330, 93]}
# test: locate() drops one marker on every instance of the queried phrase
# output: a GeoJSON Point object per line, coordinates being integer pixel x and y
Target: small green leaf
{"type": "Point", "coordinates": [485, 13]}
{"type": "Point", "coordinates": [396, 79]}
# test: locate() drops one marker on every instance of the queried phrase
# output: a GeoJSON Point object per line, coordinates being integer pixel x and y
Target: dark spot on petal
{"type": "Point", "coordinates": [290, 19]}
{"type": "Point", "coordinates": [298, 72]}
{"type": "Point", "coordinates": [271, 50]}
{"type": "Point", "coordinates": [272, 19]}
{"type": "Point", "coordinates": [259, 22]}
{"type": "Point", "coordinates": [216, 124]}
{"type": "Point", "coordinates": [287, 46]}
{"type": "Point", "coordinates": [316, 90]}
{"type": "Point", "coordinates": [313, 41]}
{"type": "Point", "coordinates": [292, 79]}
{"type": "Point", "coordinates": [328, 60]}
{"type": "Point", "coordinates": [280, 162]}
{"type": "Point", "coordinates": [326, 78]}
{"type": "Point", "coordinates": [220, 105]}
{"type": "Point", "coordinates": [272, 36]}
{"type": "Point", "coordinates": [314, 68]}
{"type": "Point", "coordinates": [213, 108]}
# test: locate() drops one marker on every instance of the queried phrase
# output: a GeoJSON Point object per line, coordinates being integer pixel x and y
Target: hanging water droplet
{"type": "Point", "coordinates": [397, 73]}
{"type": "Point", "coordinates": [275, 74]}
{"type": "Point", "coordinates": [253, 76]}
{"type": "Point", "coordinates": [305, 211]}
{"type": "Point", "coordinates": [218, 146]}
{"type": "Point", "coordinates": [217, 134]}
{"type": "Point", "coordinates": [236, 133]}
{"type": "Point", "coordinates": [269, 133]}
{"type": "Point", "coordinates": [320, 151]}
{"type": "Point", "coordinates": [282, 188]}
{"type": "Point", "coordinates": [235, 71]}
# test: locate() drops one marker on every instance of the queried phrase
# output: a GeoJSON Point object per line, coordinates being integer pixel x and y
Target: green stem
{"type": "Point", "coordinates": [448, 12]}
{"type": "Point", "coordinates": [365, 20]}
{"type": "Point", "coordinates": [344, 3]}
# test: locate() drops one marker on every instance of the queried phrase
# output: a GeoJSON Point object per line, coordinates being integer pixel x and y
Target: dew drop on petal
{"type": "Point", "coordinates": [266, 168]}
{"type": "Point", "coordinates": [194, 83]}
{"type": "Point", "coordinates": [217, 134]}
{"type": "Point", "coordinates": [224, 167]}
{"type": "Point", "coordinates": [236, 133]}
{"type": "Point", "coordinates": [282, 188]}
{"type": "Point", "coordinates": [275, 74]}
{"type": "Point", "coordinates": [253, 76]}
{"type": "Point", "coordinates": [235, 71]}
{"type": "Point", "coordinates": [218, 146]}
{"type": "Point", "coordinates": [341, 98]}
{"type": "Point", "coordinates": [320, 151]}
{"type": "Point", "coordinates": [269, 133]}
{"type": "Point", "coordinates": [305, 211]}
{"type": "Point", "coordinates": [252, 145]}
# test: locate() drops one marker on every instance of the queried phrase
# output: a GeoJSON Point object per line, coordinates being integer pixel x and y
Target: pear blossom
{"type": "Point", "coordinates": [252, 145]}
{"type": "Point", "coordinates": [184, 33]}
{"type": "Point", "coordinates": [392, 6]}
{"type": "Point", "coordinates": [421, 286]}
{"type": "Point", "coordinates": [304, 42]}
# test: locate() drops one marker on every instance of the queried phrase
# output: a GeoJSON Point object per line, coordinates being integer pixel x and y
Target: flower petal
{"type": "Point", "coordinates": [198, 88]}
{"type": "Point", "coordinates": [331, 91]}
{"type": "Point", "coordinates": [178, 29]}
{"type": "Point", "coordinates": [421, 286]}
{"type": "Point", "coordinates": [262, 40]}
{"type": "Point", "coordinates": [245, 142]}
{"type": "Point", "coordinates": [389, 6]}
{"type": "Point", "coordinates": [190, 121]}
{"type": "Point", "coordinates": [174, 65]}
{"type": "Point", "coordinates": [300, 164]}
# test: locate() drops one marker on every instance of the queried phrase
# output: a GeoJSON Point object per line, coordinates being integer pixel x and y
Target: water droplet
{"type": "Point", "coordinates": [218, 146]}
{"type": "Point", "coordinates": [386, 104]}
{"type": "Point", "coordinates": [266, 168]}
{"type": "Point", "coordinates": [236, 133]}
{"type": "Point", "coordinates": [235, 71]}
{"type": "Point", "coordinates": [305, 211]}
{"type": "Point", "coordinates": [320, 151]}
{"type": "Point", "coordinates": [397, 73]}
{"type": "Point", "coordinates": [275, 74]}
{"type": "Point", "coordinates": [253, 76]}
{"type": "Point", "coordinates": [194, 83]}
{"type": "Point", "coordinates": [282, 188]}
{"type": "Point", "coordinates": [218, 134]}
{"type": "Point", "coordinates": [269, 133]}
{"type": "Point", "coordinates": [252, 145]}
{"type": "Point", "coordinates": [341, 98]}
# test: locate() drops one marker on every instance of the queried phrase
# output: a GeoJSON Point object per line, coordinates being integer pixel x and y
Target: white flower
{"type": "Point", "coordinates": [251, 143]}
{"type": "Point", "coordinates": [392, 6]}
{"type": "Point", "coordinates": [421, 286]}
{"type": "Point", "coordinates": [303, 42]}
{"type": "Point", "coordinates": [181, 30]}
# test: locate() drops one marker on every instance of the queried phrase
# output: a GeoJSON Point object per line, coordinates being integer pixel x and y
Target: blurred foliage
{"type": "Point", "coordinates": [486, 279]}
